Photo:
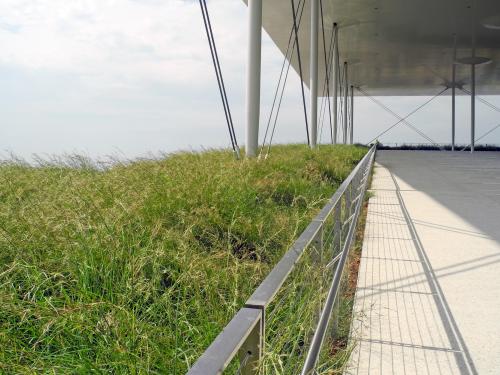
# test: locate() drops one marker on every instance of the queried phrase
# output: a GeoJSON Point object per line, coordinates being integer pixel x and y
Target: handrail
{"type": "Point", "coordinates": [230, 340]}
{"type": "Point", "coordinates": [319, 335]}
{"type": "Point", "coordinates": [245, 332]}
{"type": "Point", "coordinates": [271, 284]}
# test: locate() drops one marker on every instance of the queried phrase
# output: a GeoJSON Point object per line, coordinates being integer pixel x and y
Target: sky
{"type": "Point", "coordinates": [132, 78]}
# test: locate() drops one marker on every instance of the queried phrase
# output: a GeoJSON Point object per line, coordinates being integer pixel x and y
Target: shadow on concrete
{"type": "Point", "coordinates": [467, 185]}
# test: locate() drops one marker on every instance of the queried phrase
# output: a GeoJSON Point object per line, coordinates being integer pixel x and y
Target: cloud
{"type": "Point", "coordinates": [137, 75]}
{"type": "Point", "coordinates": [115, 42]}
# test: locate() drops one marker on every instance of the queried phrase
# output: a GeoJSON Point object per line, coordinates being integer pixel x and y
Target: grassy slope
{"type": "Point", "coordinates": [138, 268]}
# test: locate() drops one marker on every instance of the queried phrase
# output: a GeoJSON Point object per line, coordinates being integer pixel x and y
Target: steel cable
{"type": "Point", "coordinates": [407, 123]}
{"type": "Point", "coordinates": [295, 27]}
{"type": "Point", "coordinates": [328, 63]}
{"type": "Point", "coordinates": [487, 103]}
{"type": "Point", "coordinates": [220, 79]}
{"type": "Point", "coordinates": [282, 89]}
{"type": "Point", "coordinates": [484, 135]}
{"type": "Point", "coordinates": [341, 102]}
{"type": "Point", "coordinates": [484, 101]}
{"type": "Point", "coordinates": [337, 77]}
{"type": "Point", "coordinates": [402, 119]}
{"type": "Point", "coordinates": [278, 85]}
{"type": "Point", "coordinates": [327, 71]}
{"type": "Point", "coordinates": [488, 132]}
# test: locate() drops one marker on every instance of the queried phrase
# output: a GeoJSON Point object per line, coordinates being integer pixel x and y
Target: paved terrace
{"type": "Point", "coordinates": [428, 297]}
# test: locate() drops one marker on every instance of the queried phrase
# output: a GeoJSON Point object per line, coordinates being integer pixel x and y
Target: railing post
{"type": "Point", "coordinates": [348, 208]}
{"type": "Point", "coordinates": [337, 229]}
{"type": "Point", "coordinates": [250, 353]}
{"type": "Point", "coordinates": [317, 245]}
{"type": "Point", "coordinates": [337, 247]}
{"type": "Point", "coordinates": [335, 322]}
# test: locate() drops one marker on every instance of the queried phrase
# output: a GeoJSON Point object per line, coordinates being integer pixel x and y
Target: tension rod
{"type": "Point", "coordinates": [402, 119]}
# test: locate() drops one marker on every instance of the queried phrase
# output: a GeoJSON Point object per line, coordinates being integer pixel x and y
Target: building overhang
{"type": "Point", "coordinates": [397, 47]}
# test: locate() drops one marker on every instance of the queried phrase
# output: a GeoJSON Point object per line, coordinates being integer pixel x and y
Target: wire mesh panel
{"type": "Point", "coordinates": [288, 327]}
{"type": "Point", "coordinates": [292, 316]}
{"type": "Point", "coordinates": [352, 206]}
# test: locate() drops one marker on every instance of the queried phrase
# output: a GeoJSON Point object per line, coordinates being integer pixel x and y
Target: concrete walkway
{"type": "Point", "coordinates": [428, 297]}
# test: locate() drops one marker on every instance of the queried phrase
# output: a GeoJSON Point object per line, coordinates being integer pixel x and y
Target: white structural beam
{"type": "Point", "coordinates": [253, 76]}
{"type": "Point", "coordinates": [313, 123]}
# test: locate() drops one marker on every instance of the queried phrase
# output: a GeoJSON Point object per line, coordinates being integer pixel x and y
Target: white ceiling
{"type": "Point", "coordinates": [397, 47]}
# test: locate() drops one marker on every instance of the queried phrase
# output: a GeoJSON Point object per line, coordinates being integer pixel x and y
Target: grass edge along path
{"type": "Point", "coordinates": [338, 348]}
{"type": "Point", "coordinates": [137, 268]}
{"type": "Point", "coordinates": [346, 342]}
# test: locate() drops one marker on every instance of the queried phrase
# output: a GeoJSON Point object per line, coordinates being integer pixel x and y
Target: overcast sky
{"type": "Point", "coordinates": [131, 77]}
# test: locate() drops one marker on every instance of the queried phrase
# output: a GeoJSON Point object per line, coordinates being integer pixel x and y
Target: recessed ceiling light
{"type": "Point", "coordinates": [473, 60]}
{"type": "Point", "coordinates": [492, 22]}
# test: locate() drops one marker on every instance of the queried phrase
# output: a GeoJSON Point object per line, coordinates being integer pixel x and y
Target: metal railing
{"type": "Point", "coordinates": [269, 333]}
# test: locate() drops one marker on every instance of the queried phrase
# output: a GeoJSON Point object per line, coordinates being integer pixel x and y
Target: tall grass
{"type": "Point", "coordinates": [138, 267]}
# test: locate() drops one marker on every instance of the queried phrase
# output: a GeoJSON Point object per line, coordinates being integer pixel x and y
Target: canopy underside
{"type": "Point", "coordinates": [397, 47]}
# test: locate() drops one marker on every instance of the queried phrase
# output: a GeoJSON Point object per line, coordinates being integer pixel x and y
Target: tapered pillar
{"type": "Point", "coordinates": [335, 83]}
{"type": "Point", "coordinates": [313, 123]}
{"type": "Point", "coordinates": [351, 136]}
{"type": "Point", "coordinates": [346, 90]}
{"type": "Point", "coordinates": [472, 106]}
{"type": "Point", "coordinates": [253, 76]}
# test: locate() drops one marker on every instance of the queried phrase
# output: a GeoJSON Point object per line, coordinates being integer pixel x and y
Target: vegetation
{"type": "Point", "coordinates": [138, 267]}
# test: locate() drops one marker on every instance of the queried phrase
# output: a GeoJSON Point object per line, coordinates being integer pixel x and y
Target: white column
{"type": "Point", "coordinates": [253, 76]}
{"type": "Point", "coordinates": [352, 116]}
{"type": "Point", "coordinates": [346, 90]}
{"type": "Point", "coordinates": [472, 107]}
{"type": "Point", "coordinates": [313, 123]}
{"type": "Point", "coordinates": [335, 83]}
{"type": "Point", "coordinates": [473, 79]}
{"type": "Point", "coordinates": [453, 79]}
